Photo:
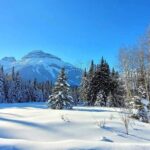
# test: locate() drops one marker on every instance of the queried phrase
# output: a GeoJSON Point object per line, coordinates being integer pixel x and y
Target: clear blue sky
{"type": "Point", "coordinates": [75, 30]}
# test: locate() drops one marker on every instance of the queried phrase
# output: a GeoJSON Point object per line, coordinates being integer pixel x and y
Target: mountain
{"type": "Point", "coordinates": [42, 66]}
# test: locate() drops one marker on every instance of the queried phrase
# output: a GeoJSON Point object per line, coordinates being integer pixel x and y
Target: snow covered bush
{"type": "Point", "coordinates": [60, 98]}
{"type": "Point", "coordinates": [140, 105]}
{"type": "Point", "coordinates": [140, 109]}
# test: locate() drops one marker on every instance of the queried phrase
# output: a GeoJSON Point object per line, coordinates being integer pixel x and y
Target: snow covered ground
{"type": "Point", "coordinates": [31, 126]}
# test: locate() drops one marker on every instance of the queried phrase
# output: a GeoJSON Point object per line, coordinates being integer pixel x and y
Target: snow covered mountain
{"type": "Point", "coordinates": [42, 66]}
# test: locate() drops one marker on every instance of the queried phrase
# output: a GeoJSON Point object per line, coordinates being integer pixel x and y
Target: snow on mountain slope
{"type": "Point", "coordinates": [31, 126]}
{"type": "Point", "coordinates": [42, 66]}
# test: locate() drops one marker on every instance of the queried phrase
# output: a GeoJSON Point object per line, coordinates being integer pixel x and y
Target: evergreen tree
{"type": "Point", "coordinates": [75, 94]}
{"type": "Point", "coordinates": [117, 90]}
{"type": "Point", "coordinates": [18, 89]}
{"type": "Point", "coordinates": [91, 71]}
{"type": "Point", "coordinates": [60, 98]}
{"type": "Point", "coordinates": [100, 82]}
{"type": "Point", "coordinates": [2, 82]}
{"type": "Point", "coordinates": [47, 90]}
{"type": "Point", "coordinates": [84, 86]}
{"type": "Point", "coordinates": [90, 76]}
{"type": "Point", "coordinates": [12, 87]}
{"type": "Point", "coordinates": [105, 79]}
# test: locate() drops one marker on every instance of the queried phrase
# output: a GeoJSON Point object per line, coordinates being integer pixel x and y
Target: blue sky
{"type": "Point", "coordinates": [75, 30]}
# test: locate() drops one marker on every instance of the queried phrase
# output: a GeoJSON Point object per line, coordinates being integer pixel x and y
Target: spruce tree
{"type": "Point", "coordinates": [90, 76]}
{"type": "Point", "coordinates": [18, 88]}
{"type": "Point", "coordinates": [84, 86]}
{"type": "Point", "coordinates": [60, 98]}
{"type": "Point", "coordinates": [117, 90]}
{"type": "Point", "coordinates": [100, 82]}
{"type": "Point", "coordinates": [2, 82]}
{"type": "Point", "coordinates": [12, 87]}
{"type": "Point", "coordinates": [91, 71]}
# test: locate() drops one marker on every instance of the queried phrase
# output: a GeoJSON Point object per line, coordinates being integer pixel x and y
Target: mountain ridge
{"type": "Point", "coordinates": [42, 66]}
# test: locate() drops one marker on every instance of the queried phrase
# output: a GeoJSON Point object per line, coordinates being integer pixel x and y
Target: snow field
{"type": "Point", "coordinates": [30, 126]}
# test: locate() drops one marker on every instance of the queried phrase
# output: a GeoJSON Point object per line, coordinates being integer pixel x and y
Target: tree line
{"type": "Point", "coordinates": [13, 89]}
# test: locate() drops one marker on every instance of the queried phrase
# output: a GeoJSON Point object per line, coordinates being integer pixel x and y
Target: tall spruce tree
{"type": "Point", "coordinates": [12, 87]}
{"type": "Point", "coordinates": [100, 82]}
{"type": "Point", "coordinates": [90, 76]}
{"type": "Point", "coordinates": [117, 89]}
{"type": "Point", "coordinates": [60, 98]}
{"type": "Point", "coordinates": [84, 86]}
{"type": "Point", "coordinates": [18, 87]}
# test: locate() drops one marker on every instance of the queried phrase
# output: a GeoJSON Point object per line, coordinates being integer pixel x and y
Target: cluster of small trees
{"type": "Point", "coordinates": [102, 87]}
{"type": "Point", "coordinates": [14, 89]}
{"type": "Point", "coordinates": [135, 68]}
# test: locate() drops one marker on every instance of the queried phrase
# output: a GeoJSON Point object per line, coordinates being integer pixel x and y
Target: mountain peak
{"type": "Point", "coordinates": [39, 54]}
{"type": "Point", "coordinates": [10, 59]}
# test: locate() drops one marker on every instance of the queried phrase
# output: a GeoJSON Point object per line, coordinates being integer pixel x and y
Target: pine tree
{"type": "Point", "coordinates": [105, 79]}
{"type": "Point", "coordinates": [84, 86]}
{"type": "Point", "coordinates": [75, 94]}
{"type": "Point", "coordinates": [60, 98]}
{"type": "Point", "coordinates": [91, 71]}
{"type": "Point", "coordinates": [100, 82]}
{"type": "Point", "coordinates": [12, 87]}
{"type": "Point", "coordinates": [90, 76]}
{"type": "Point", "coordinates": [18, 88]}
{"type": "Point", "coordinates": [30, 91]}
{"type": "Point", "coordinates": [47, 90]}
{"type": "Point", "coordinates": [117, 89]}
{"type": "Point", "coordinates": [2, 82]}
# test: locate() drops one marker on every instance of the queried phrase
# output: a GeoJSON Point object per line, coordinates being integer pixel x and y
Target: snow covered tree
{"type": "Point", "coordinates": [117, 89]}
{"type": "Point", "coordinates": [2, 86]}
{"type": "Point", "coordinates": [75, 94]}
{"type": "Point", "coordinates": [99, 82]}
{"type": "Point", "coordinates": [18, 88]}
{"type": "Point", "coordinates": [91, 71]}
{"type": "Point", "coordinates": [84, 86]}
{"type": "Point", "coordinates": [60, 98]}
{"type": "Point", "coordinates": [12, 87]}
{"type": "Point", "coordinates": [141, 104]}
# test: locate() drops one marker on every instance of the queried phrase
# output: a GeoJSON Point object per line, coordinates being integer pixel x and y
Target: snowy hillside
{"type": "Point", "coordinates": [42, 66]}
{"type": "Point", "coordinates": [34, 127]}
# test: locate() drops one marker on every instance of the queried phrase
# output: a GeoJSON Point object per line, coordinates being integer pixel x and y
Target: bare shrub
{"type": "Point", "coordinates": [125, 118]}
{"type": "Point", "coordinates": [101, 123]}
